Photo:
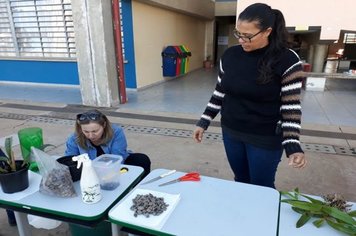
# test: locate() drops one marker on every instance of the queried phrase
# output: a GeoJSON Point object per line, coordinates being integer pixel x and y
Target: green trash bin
{"type": "Point", "coordinates": [30, 137]}
{"type": "Point", "coordinates": [102, 229]}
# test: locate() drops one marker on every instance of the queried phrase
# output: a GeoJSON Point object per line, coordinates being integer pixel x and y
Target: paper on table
{"type": "Point", "coordinates": [123, 213]}
{"type": "Point", "coordinates": [34, 180]}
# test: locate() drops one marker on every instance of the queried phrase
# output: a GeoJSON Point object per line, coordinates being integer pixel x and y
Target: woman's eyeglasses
{"type": "Point", "coordinates": [89, 116]}
{"type": "Point", "coordinates": [245, 38]}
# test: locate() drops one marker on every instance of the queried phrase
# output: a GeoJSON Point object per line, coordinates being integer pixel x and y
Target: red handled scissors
{"type": "Point", "coordinates": [192, 176]}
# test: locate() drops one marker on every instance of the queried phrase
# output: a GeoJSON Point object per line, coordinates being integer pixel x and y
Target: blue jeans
{"type": "Point", "coordinates": [251, 164]}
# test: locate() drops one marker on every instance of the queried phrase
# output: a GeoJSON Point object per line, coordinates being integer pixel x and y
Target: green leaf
{"type": "Point", "coordinates": [4, 159]}
{"type": "Point", "coordinates": [304, 218]}
{"type": "Point", "coordinates": [296, 193]}
{"type": "Point", "coordinates": [318, 223]}
{"type": "Point", "coordinates": [300, 211]}
{"type": "Point", "coordinates": [352, 213]}
{"type": "Point", "coordinates": [3, 170]}
{"type": "Point", "coordinates": [305, 205]}
{"type": "Point", "coordinates": [348, 229]}
{"type": "Point", "coordinates": [311, 213]}
{"type": "Point", "coordinates": [288, 194]}
{"type": "Point", "coordinates": [337, 214]}
{"type": "Point", "coordinates": [8, 146]}
{"type": "Point", "coordinates": [313, 200]}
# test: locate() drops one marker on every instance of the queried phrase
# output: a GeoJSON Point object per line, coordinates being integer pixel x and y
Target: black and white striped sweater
{"type": "Point", "coordinates": [252, 108]}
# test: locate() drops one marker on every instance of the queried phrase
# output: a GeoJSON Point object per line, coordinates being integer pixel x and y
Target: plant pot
{"type": "Point", "coordinates": [208, 64]}
{"type": "Point", "coordinates": [17, 181]}
{"type": "Point", "coordinates": [72, 165]}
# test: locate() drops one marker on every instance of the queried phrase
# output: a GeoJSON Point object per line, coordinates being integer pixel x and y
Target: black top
{"type": "Point", "coordinates": [251, 110]}
{"type": "Point", "coordinates": [248, 106]}
{"type": "Point", "coordinates": [99, 150]}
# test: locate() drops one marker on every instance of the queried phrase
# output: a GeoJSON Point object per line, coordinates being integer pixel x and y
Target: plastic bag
{"type": "Point", "coordinates": [56, 178]}
{"type": "Point", "coordinates": [43, 223]}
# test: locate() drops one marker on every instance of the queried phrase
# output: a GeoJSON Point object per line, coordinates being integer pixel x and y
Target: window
{"type": "Point", "coordinates": [37, 29]}
{"type": "Point", "coordinates": [350, 38]}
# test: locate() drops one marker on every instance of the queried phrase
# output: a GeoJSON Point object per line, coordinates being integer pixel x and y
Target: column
{"type": "Point", "coordinates": [209, 39]}
{"type": "Point", "coordinates": [95, 52]}
{"type": "Point", "coordinates": [310, 55]}
{"type": "Point", "coordinates": [320, 54]}
{"type": "Point", "coordinates": [319, 57]}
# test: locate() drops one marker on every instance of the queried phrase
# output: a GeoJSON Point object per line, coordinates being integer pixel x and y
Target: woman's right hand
{"type": "Point", "coordinates": [198, 134]}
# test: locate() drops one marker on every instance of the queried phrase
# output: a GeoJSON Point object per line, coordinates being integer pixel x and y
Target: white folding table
{"type": "Point", "coordinates": [74, 210]}
{"type": "Point", "coordinates": [211, 207]}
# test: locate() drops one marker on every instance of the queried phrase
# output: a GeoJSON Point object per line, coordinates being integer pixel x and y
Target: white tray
{"type": "Point", "coordinates": [122, 212]}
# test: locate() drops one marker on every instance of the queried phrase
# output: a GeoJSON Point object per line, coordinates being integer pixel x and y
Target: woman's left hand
{"type": "Point", "coordinates": [297, 160]}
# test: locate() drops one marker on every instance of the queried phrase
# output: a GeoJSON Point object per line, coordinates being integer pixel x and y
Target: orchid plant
{"type": "Point", "coordinates": [334, 210]}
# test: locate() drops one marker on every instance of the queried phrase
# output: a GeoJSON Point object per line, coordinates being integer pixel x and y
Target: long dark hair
{"type": "Point", "coordinates": [267, 17]}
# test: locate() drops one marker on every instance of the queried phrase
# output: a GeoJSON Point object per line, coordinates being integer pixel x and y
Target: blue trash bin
{"type": "Point", "coordinates": [169, 61]}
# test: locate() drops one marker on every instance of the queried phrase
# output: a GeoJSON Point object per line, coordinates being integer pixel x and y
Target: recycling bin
{"type": "Point", "coordinates": [175, 60]}
{"type": "Point", "coordinates": [180, 60]}
{"type": "Point", "coordinates": [169, 61]}
{"type": "Point", "coordinates": [186, 54]}
{"type": "Point", "coordinates": [30, 137]}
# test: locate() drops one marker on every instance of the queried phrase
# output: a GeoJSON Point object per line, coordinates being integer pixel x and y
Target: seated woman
{"type": "Point", "coordinates": [95, 135]}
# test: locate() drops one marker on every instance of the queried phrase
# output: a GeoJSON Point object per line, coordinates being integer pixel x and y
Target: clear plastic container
{"type": "Point", "coordinates": [107, 167]}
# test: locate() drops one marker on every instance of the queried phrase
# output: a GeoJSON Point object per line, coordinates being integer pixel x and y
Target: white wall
{"type": "Point", "coordinates": [331, 15]}
{"type": "Point", "coordinates": [225, 8]}
{"type": "Point", "coordinates": [198, 8]}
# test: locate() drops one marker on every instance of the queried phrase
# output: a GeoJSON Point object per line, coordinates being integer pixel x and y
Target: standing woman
{"type": "Point", "coordinates": [95, 135]}
{"type": "Point", "coordinates": [258, 95]}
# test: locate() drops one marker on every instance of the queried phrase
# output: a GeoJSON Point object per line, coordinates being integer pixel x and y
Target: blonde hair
{"type": "Point", "coordinates": [92, 116]}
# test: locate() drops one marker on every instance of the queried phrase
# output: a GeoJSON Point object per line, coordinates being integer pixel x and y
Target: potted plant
{"type": "Point", "coordinates": [13, 173]}
{"type": "Point", "coordinates": [208, 64]}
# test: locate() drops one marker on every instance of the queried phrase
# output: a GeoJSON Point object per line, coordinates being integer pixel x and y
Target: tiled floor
{"type": "Point", "coordinates": [42, 93]}
{"type": "Point", "coordinates": [190, 94]}
{"type": "Point", "coordinates": [334, 106]}
{"type": "Point", "coordinates": [187, 94]}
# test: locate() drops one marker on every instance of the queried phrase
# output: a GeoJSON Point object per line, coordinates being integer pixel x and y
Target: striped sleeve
{"type": "Point", "coordinates": [214, 105]}
{"type": "Point", "coordinates": [291, 108]}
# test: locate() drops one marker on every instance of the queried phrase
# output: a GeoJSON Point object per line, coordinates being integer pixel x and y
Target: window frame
{"type": "Point", "coordinates": [37, 30]}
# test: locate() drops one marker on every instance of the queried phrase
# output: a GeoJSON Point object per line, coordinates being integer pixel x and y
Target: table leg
{"type": "Point", "coordinates": [22, 224]}
{"type": "Point", "coordinates": [116, 229]}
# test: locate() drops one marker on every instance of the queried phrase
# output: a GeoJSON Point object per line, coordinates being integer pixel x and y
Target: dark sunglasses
{"type": "Point", "coordinates": [89, 116]}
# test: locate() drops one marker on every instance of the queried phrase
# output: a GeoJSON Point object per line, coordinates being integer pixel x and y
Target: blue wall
{"type": "Point", "coordinates": [130, 68]}
{"type": "Point", "coordinates": [52, 72]}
